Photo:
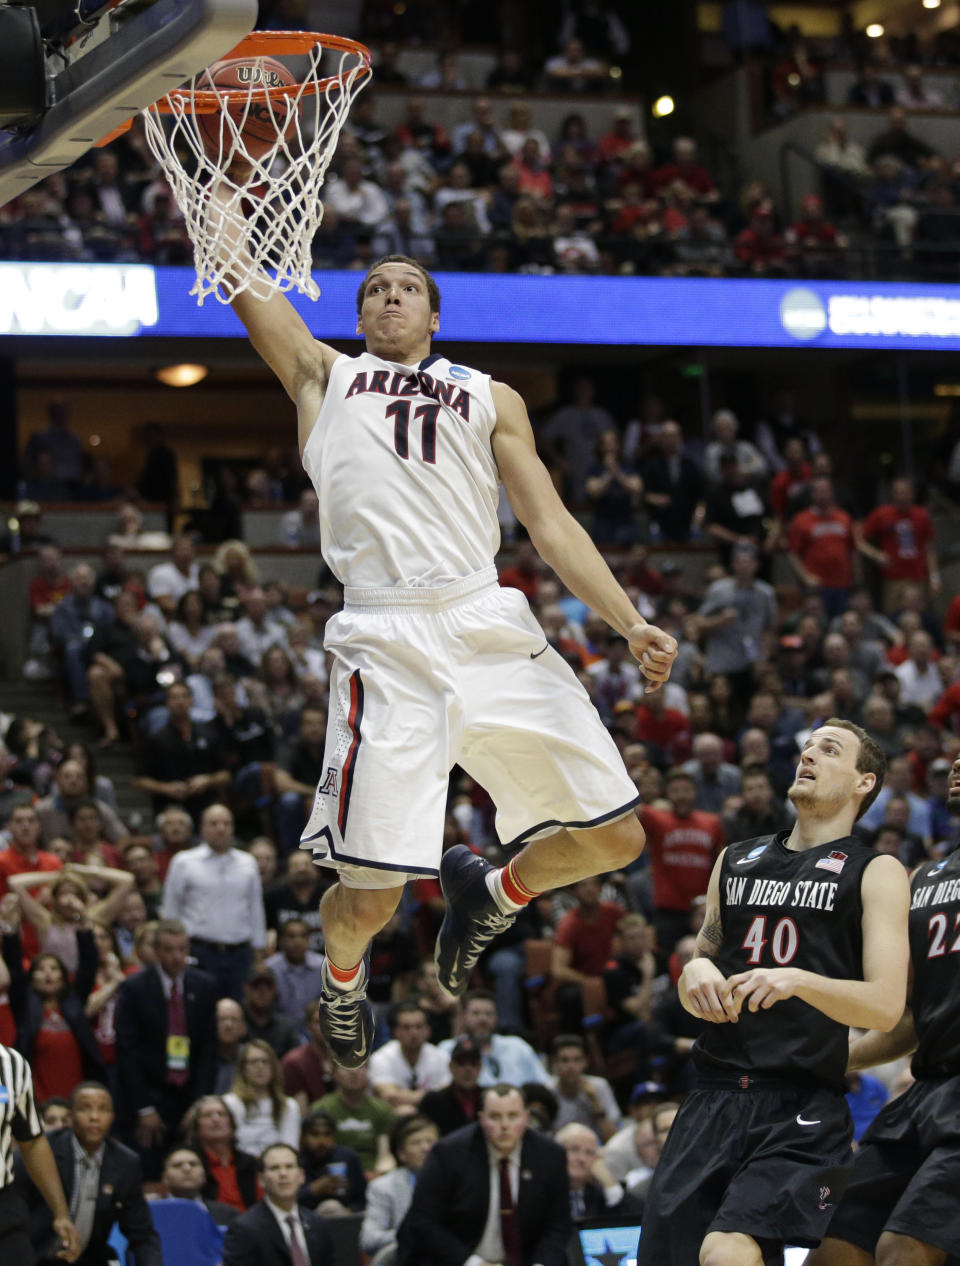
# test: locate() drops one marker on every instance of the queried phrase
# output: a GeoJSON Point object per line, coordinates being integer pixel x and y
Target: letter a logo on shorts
{"type": "Point", "coordinates": [331, 783]}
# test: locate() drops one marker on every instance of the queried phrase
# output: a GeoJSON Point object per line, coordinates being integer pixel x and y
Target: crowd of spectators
{"type": "Point", "coordinates": [178, 966]}
{"type": "Point", "coordinates": [502, 192]}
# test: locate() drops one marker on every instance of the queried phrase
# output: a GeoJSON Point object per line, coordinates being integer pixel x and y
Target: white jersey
{"type": "Point", "coordinates": [402, 462]}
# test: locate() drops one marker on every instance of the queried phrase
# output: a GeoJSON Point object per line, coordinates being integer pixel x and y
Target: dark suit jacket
{"type": "Point", "coordinates": [142, 1041]}
{"type": "Point", "coordinates": [255, 1239]}
{"type": "Point", "coordinates": [120, 1201]}
{"type": "Point", "coordinates": [450, 1202]}
{"type": "Point", "coordinates": [443, 1108]}
{"type": "Point", "coordinates": [674, 519]}
{"type": "Point", "coordinates": [28, 1009]}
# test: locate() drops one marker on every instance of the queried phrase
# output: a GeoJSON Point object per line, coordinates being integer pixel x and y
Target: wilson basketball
{"type": "Point", "coordinates": [262, 121]}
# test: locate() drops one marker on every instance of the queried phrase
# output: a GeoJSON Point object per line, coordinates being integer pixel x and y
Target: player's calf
{"type": "Point", "coordinates": [730, 1248]}
{"type": "Point", "coordinates": [903, 1250]}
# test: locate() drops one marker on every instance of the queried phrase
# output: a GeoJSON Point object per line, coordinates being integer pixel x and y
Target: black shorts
{"type": "Point", "coordinates": [906, 1174]}
{"type": "Point", "coordinates": [767, 1162]}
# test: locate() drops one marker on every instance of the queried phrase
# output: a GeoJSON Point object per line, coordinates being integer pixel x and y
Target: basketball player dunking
{"type": "Point", "coordinates": [805, 934]}
{"type": "Point", "coordinates": [902, 1206]}
{"type": "Point", "coordinates": [434, 663]}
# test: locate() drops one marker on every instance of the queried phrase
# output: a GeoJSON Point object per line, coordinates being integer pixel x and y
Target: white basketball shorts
{"type": "Point", "coordinates": [425, 679]}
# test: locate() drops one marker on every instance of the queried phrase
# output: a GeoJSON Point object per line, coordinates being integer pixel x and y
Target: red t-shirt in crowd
{"type": "Point", "coordinates": [8, 1028]}
{"type": "Point", "coordinates": [44, 593]}
{"type": "Point", "coordinates": [824, 545]}
{"type": "Point", "coordinates": [784, 483]}
{"type": "Point", "coordinates": [513, 578]}
{"type": "Point", "coordinates": [589, 941]}
{"type": "Point", "coordinates": [945, 713]}
{"type": "Point", "coordinates": [662, 728]}
{"type": "Point", "coordinates": [903, 535]}
{"type": "Point", "coordinates": [303, 1069]}
{"type": "Point", "coordinates": [57, 1059]}
{"type": "Point", "coordinates": [682, 852]}
{"type": "Point", "coordinates": [13, 863]}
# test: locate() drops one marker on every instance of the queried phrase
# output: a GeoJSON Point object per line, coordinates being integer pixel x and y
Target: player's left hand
{"type": "Point", "coordinates": [655, 652]}
{"type": "Point", "coordinates": [763, 986]}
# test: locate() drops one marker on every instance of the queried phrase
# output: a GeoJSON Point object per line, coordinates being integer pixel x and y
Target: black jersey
{"type": "Point", "coordinates": [782, 908]}
{"type": "Point", "coordinates": [935, 952]}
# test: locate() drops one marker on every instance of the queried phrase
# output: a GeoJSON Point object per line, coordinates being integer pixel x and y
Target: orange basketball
{"type": "Point", "coordinates": [263, 121]}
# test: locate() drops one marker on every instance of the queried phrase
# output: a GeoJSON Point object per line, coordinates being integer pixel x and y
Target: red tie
{"type": "Point", "coordinates": [509, 1230]}
{"type": "Point", "coordinates": [297, 1255]}
{"type": "Point", "coordinates": [177, 1027]}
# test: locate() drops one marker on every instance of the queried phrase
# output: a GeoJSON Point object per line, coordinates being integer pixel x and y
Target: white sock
{"type": "Point", "coordinates": [495, 885]}
{"type": "Point", "coordinates": [356, 980]}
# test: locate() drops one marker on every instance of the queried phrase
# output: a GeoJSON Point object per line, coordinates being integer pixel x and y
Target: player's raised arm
{"type": "Point", "coordinates": [563, 544]}
{"type": "Point", "coordinates": [703, 989]}
{"type": "Point", "coordinates": [875, 1002]}
{"type": "Point", "coordinates": [280, 336]}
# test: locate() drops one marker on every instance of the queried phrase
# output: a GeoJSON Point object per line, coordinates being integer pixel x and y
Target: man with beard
{"type": "Point", "coordinates": [901, 1204]}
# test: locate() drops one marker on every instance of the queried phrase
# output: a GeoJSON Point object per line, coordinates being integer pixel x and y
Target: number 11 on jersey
{"type": "Point", "coordinates": [400, 412]}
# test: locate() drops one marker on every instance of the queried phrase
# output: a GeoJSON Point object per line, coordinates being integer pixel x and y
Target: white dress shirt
{"type": "Point", "coordinates": [281, 1217]}
{"type": "Point", "coordinates": [490, 1248]}
{"type": "Point", "coordinates": [430, 1072]}
{"type": "Point", "coordinates": [217, 896]}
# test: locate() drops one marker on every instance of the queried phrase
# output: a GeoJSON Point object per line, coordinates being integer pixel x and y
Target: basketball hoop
{"type": "Point", "coordinates": [246, 159]}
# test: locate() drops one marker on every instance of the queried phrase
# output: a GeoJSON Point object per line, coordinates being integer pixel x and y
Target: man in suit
{"type": "Point", "coordinates": [493, 1192]}
{"type": "Point", "coordinates": [594, 1192]}
{"type": "Point", "coordinates": [458, 1104]}
{"type": "Point", "coordinates": [166, 1045]}
{"type": "Point", "coordinates": [276, 1231]}
{"type": "Point", "coordinates": [184, 1178]}
{"type": "Point", "coordinates": [103, 1186]}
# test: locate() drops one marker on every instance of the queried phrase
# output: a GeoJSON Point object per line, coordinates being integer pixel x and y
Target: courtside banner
{"type": "Point", "coordinates": [139, 301]}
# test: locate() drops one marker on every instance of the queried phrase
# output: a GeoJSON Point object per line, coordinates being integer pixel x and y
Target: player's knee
{"type": "Point", "coordinates": [902, 1250]}
{"type": "Point", "coordinates": [722, 1249]}
{"type": "Point", "coordinates": [624, 843]}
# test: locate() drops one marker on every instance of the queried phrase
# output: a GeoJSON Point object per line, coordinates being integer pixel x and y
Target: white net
{"type": "Point", "coordinates": [247, 176]}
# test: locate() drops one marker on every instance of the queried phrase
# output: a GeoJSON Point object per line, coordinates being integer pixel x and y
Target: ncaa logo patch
{"type": "Point", "coordinates": [752, 855]}
{"type": "Point", "coordinates": [458, 371]}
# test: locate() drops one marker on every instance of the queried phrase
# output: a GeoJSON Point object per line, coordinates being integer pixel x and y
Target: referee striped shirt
{"type": "Point", "coordinates": [18, 1109]}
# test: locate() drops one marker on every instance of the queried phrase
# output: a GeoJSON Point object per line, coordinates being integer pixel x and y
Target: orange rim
{"type": "Point", "coordinates": [265, 44]}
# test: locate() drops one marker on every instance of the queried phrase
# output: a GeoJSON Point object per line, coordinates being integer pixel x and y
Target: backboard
{"type": "Point", "coordinates": [105, 61]}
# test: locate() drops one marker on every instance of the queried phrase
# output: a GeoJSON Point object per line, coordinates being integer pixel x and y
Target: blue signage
{"type": "Point", "coordinates": [136, 300]}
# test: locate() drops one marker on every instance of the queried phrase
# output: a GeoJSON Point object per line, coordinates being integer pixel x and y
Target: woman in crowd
{"type": "Point", "coordinates": [281, 697]}
{"type": "Point", "coordinates": [264, 1114]}
{"type": "Point", "coordinates": [189, 632]}
{"type": "Point", "coordinates": [71, 905]}
{"type": "Point", "coordinates": [234, 563]}
{"type": "Point", "coordinates": [101, 1005]}
{"type": "Point", "coordinates": [53, 1032]}
{"type": "Point", "coordinates": [101, 788]}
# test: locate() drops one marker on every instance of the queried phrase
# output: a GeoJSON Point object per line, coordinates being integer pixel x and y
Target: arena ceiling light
{"type": "Point", "coordinates": [181, 375]}
{"type": "Point", "coordinates": [875, 30]}
{"type": "Point", "coordinates": [931, 4]}
{"type": "Point", "coordinates": [662, 107]}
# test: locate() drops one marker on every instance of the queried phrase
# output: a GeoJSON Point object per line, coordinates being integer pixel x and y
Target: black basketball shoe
{"type": "Point", "coordinates": [346, 1019]}
{"type": "Point", "coordinates": [472, 919]}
